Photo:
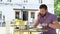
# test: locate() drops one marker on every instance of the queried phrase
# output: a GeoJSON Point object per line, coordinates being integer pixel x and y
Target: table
{"type": "Point", "coordinates": [41, 30]}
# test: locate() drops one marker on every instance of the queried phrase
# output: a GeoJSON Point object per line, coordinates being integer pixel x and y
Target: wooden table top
{"type": "Point", "coordinates": [32, 30]}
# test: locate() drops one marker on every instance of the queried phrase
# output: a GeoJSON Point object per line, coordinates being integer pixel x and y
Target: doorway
{"type": "Point", "coordinates": [25, 15]}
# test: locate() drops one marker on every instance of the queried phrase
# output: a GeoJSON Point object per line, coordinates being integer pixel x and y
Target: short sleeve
{"type": "Point", "coordinates": [54, 18]}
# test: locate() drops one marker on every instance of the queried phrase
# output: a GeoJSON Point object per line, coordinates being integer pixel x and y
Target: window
{"type": "Point", "coordinates": [40, 1]}
{"type": "Point", "coordinates": [9, 0]}
{"type": "Point", "coordinates": [32, 14]}
{"type": "Point", "coordinates": [25, 1]}
{"type": "Point", "coordinates": [0, 15]}
{"type": "Point", "coordinates": [17, 15]}
{"type": "Point", "coordinates": [0, 0]}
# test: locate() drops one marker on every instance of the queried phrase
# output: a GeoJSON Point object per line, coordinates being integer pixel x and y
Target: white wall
{"type": "Point", "coordinates": [50, 4]}
{"type": "Point", "coordinates": [8, 12]}
{"type": "Point", "coordinates": [48, 1]}
{"type": "Point", "coordinates": [33, 1]}
{"type": "Point", "coordinates": [51, 8]}
{"type": "Point", "coordinates": [17, 1]}
{"type": "Point", "coordinates": [29, 1]}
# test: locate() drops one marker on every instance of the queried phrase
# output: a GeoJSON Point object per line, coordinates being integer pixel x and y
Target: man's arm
{"type": "Point", "coordinates": [55, 24]}
{"type": "Point", "coordinates": [36, 22]}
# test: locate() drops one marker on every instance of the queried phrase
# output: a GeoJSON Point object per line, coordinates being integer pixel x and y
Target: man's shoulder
{"type": "Point", "coordinates": [52, 15]}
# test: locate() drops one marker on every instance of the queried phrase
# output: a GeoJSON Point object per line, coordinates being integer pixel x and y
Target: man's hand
{"type": "Point", "coordinates": [44, 24]}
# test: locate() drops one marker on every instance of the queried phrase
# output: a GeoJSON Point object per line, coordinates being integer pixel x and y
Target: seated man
{"type": "Point", "coordinates": [47, 20]}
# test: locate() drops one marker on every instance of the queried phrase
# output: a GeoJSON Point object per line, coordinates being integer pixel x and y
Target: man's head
{"type": "Point", "coordinates": [43, 10]}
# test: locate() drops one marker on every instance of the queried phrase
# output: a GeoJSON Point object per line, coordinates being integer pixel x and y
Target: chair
{"type": "Point", "coordinates": [21, 24]}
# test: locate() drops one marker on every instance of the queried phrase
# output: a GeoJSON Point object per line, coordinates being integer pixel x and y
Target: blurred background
{"type": "Point", "coordinates": [23, 12]}
{"type": "Point", "coordinates": [57, 8]}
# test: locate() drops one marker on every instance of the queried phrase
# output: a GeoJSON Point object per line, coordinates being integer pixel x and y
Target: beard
{"type": "Point", "coordinates": [42, 15]}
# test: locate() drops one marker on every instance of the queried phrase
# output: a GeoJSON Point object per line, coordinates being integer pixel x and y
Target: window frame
{"type": "Point", "coordinates": [0, 14]}
{"type": "Point", "coordinates": [9, 0]}
{"type": "Point", "coordinates": [31, 14]}
{"type": "Point", "coordinates": [40, 1]}
{"type": "Point", "coordinates": [25, 1]}
{"type": "Point", "coordinates": [1, 0]}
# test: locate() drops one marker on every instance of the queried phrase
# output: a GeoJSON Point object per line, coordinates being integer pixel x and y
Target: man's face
{"type": "Point", "coordinates": [43, 12]}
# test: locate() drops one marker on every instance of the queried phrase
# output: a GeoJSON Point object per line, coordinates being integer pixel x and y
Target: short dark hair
{"type": "Point", "coordinates": [43, 6]}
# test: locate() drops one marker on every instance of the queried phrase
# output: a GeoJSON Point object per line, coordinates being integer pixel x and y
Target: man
{"type": "Point", "coordinates": [47, 20]}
